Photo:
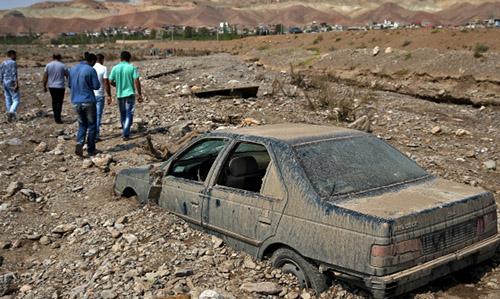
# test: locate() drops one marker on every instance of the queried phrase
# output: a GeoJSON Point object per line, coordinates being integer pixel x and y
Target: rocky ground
{"type": "Point", "coordinates": [66, 235]}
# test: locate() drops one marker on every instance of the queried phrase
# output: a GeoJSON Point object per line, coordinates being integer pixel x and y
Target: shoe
{"type": "Point", "coordinates": [79, 149]}
{"type": "Point", "coordinates": [98, 139]}
{"type": "Point", "coordinates": [126, 138]}
{"type": "Point", "coordinates": [59, 121]}
{"type": "Point", "coordinates": [95, 152]}
{"type": "Point", "coordinates": [10, 117]}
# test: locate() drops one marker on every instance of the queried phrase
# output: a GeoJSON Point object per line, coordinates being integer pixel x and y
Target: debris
{"type": "Point", "coordinates": [7, 283]}
{"type": "Point", "coordinates": [41, 147]}
{"type": "Point", "coordinates": [63, 229]}
{"type": "Point", "coordinates": [243, 92]}
{"type": "Point", "coordinates": [388, 50]}
{"type": "Point", "coordinates": [217, 242]}
{"type": "Point", "coordinates": [490, 165]}
{"type": "Point", "coordinates": [210, 294]}
{"type": "Point", "coordinates": [362, 123]}
{"type": "Point", "coordinates": [435, 130]}
{"type": "Point", "coordinates": [13, 188]}
{"type": "Point", "coordinates": [375, 51]}
{"type": "Point", "coordinates": [247, 122]}
{"type": "Point", "coordinates": [462, 132]}
{"type": "Point", "coordinates": [183, 272]}
{"type": "Point", "coordinates": [171, 72]}
{"type": "Point", "coordinates": [265, 288]}
{"type": "Point", "coordinates": [130, 238]}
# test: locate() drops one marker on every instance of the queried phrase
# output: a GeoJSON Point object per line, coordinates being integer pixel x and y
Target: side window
{"type": "Point", "coordinates": [196, 161]}
{"type": "Point", "coordinates": [271, 185]}
{"type": "Point", "coordinates": [245, 167]}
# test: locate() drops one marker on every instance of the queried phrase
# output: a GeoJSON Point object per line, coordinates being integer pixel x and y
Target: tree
{"type": "Point", "coordinates": [188, 32]}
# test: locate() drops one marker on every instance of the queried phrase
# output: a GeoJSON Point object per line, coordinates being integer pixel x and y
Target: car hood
{"type": "Point", "coordinates": [452, 199]}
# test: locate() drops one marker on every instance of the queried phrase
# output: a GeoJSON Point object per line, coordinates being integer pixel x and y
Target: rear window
{"type": "Point", "coordinates": [339, 166]}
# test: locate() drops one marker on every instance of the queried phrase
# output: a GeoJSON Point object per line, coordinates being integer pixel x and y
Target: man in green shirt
{"type": "Point", "coordinates": [125, 77]}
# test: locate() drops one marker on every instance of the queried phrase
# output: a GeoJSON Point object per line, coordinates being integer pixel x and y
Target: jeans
{"type": "Point", "coordinates": [11, 98]}
{"type": "Point", "coordinates": [127, 108]}
{"type": "Point", "coordinates": [57, 95]}
{"type": "Point", "coordinates": [99, 111]}
{"type": "Point", "coordinates": [86, 113]}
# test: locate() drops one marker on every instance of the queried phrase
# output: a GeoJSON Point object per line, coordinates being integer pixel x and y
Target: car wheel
{"type": "Point", "coordinates": [290, 262]}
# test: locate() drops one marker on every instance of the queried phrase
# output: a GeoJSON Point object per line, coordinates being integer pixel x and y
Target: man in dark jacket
{"type": "Point", "coordinates": [83, 81]}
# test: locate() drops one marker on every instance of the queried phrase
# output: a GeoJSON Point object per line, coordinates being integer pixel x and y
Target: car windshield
{"type": "Point", "coordinates": [339, 166]}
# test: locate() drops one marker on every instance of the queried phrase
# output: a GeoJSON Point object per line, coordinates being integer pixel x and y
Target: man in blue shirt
{"type": "Point", "coordinates": [10, 84]}
{"type": "Point", "coordinates": [83, 81]}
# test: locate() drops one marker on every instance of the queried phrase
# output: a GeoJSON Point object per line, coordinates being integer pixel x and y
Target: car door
{"type": "Point", "coordinates": [239, 204]}
{"type": "Point", "coordinates": [184, 182]}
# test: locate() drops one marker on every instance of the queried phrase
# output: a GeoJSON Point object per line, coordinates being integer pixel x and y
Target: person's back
{"type": "Point", "coordinates": [125, 77]}
{"type": "Point", "coordinates": [56, 71]}
{"type": "Point", "coordinates": [124, 74]}
{"type": "Point", "coordinates": [83, 81]}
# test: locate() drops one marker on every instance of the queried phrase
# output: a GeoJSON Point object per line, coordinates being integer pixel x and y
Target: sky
{"type": "Point", "coordinates": [4, 4]}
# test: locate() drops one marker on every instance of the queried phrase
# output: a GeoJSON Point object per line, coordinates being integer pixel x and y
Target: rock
{"type": "Point", "coordinates": [388, 50]}
{"type": "Point", "coordinates": [87, 163]}
{"type": "Point", "coordinates": [44, 240]}
{"type": "Point", "coordinates": [249, 263]}
{"type": "Point", "coordinates": [217, 242]}
{"type": "Point", "coordinates": [435, 130]}
{"type": "Point", "coordinates": [462, 132]}
{"type": "Point", "coordinates": [7, 283]}
{"type": "Point", "coordinates": [130, 238]}
{"type": "Point", "coordinates": [210, 294]}
{"type": "Point", "coordinates": [108, 294]}
{"type": "Point", "coordinates": [265, 288]}
{"type": "Point", "coordinates": [185, 91]}
{"type": "Point", "coordinates": [115, 233]}
{"type": "Point", "coordinates": [183, 272]}
{"type": "Point", "coordinates": [181, 128]}
{"type": "Point", "coordinates": [375, 51]}
{"type": "Point", "coordinates": [4, 206]}
{"type": "Point", "coordinates": [292, 295]}
{"type": "Point", "coordinates": [122, 220]}
{"type": "Point", "coordinates": [305, 295]}
{"type": "Point", "coordinates": [102, 161]}
{"type": "Point", "coordinates": [64, 229]}
{"type": "Point", "coordinates": [25, 289]}
{"type": "Point", "coordinates": [34, 237]}
{"type": "Point", "coordinates": [41, 147]}
{"type": "Point", "coordinates": [490, 165]}
{"type": "Point", "coordinates": [13, 188]}
{"type": "Point", "coordinates": [14, 142]}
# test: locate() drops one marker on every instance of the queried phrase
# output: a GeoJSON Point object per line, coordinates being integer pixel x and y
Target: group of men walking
{"type": "Point", "coordinates": [90, 86]}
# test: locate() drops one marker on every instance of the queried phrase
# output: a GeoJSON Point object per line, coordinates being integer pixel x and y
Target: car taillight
{"type": "Point", "coordinates": [394, 254]}
{"type": "Point", "coordinates": [486, 222]}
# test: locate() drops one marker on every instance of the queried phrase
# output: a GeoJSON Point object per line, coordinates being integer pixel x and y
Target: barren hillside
{"type": "Point", "coordinates": [80, 15]}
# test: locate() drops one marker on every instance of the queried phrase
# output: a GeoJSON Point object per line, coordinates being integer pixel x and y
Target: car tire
{"type": "Point", "coordinates": [293, 263]}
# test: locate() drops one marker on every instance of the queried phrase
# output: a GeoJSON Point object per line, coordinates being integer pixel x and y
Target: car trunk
{"type": "Point", "coordinates": [444, 216]}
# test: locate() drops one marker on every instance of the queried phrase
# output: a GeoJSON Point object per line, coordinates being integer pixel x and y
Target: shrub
{"type": "Point", "coordinates": [479, 49]}
{"type": "Point", "coordinates": [318, 39]}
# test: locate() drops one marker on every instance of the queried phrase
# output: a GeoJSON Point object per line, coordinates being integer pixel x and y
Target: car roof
{"type": "Point", "coordinates": [292, 133]}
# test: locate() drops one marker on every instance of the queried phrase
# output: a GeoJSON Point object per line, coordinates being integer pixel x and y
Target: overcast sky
{"type": "Point", "coordinates": [18, 3]}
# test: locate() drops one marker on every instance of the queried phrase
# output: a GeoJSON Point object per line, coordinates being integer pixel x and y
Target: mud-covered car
{"type": "Point", "coordinates": [322, 201]}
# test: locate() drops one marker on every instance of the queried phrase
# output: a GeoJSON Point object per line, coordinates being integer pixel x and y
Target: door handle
{"type": "Point", "coordinates": [265, 220]}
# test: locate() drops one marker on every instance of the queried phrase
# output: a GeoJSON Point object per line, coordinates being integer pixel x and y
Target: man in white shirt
{"type": "Point", "coordinates": [102, 74]}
